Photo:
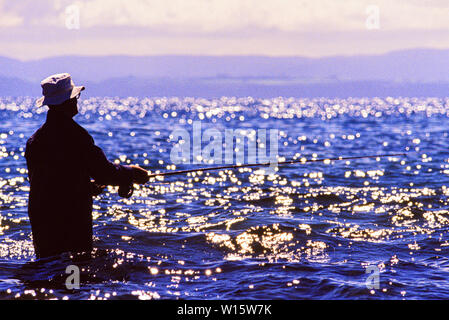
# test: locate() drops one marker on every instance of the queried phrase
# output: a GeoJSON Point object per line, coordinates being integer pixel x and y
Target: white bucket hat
{"type": "Point", "coordinates": [57, 89]}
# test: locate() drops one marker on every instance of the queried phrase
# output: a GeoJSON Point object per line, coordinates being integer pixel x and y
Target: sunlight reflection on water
{"type": "Point", "coordinates": [305, 231]}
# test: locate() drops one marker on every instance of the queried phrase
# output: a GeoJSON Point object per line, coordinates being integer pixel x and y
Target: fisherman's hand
{"type": "Point", "coordinates": [140, 175]}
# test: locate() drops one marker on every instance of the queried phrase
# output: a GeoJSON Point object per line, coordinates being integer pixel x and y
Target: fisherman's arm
{"type": "Point", "coordinates": [105, 172]}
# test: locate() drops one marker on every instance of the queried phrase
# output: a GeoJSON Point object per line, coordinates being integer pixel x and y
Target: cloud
{"type": "Point", "coordinates": [8, 19]}
{"type": "Point", "coordinates": [211, 16]}
{"type": "Point", "coordinates": [284, 15]}
{"type": "Point", "coordinates": [31, 29]}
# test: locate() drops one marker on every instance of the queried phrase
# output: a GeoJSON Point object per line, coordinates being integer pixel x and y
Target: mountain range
{"type": "Point", "coordinates": [416, 72]}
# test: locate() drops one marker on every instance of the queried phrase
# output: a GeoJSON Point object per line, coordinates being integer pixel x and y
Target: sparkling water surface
{"type": "Point", "coordinates": [307, 231]}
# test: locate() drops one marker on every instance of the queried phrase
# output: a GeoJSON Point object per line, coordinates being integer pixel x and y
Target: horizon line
{"type": "Point", "coordinates": [228, 55]}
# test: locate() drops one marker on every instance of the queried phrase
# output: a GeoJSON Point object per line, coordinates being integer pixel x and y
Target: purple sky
{"type": "Point", "coordinates": [31, 29]}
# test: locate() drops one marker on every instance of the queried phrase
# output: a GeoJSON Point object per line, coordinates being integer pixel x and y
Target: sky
{"type": "Point", "coordinates": [33, 29]}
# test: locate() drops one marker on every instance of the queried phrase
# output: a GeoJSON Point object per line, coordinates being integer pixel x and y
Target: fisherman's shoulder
{"type": "Point", "coordinates": [83, 133]}
{"type": "Point", "coordinates": [36, 136]}
{"type": "Point", "coordinates": [36, 141]}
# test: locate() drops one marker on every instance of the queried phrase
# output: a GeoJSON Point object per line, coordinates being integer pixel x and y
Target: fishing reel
{"type": "Point", "coordinates": [126, 191]}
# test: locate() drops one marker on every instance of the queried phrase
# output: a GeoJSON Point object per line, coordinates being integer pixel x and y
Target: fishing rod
{"type": "Point", "coordinates": [266, 164]}
{"type": "Point", "coordinates": [127, 191]}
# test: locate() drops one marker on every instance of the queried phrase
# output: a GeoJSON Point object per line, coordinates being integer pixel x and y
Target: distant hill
{"type": "Point", "coordinates": [410, 72]}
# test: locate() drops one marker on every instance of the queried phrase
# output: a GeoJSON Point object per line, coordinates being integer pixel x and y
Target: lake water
{"type": "Point", "coordinates": [306, 231]}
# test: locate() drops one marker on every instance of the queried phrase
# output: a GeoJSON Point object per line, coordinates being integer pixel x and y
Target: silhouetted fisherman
{"type": "Point", "coordinates": [62, 158]}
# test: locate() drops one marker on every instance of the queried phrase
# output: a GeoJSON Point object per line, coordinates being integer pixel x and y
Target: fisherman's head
{"type": "Point", "coordinates": [60, 94]}
{"type": "Point", "coordinates": [68, 107]}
